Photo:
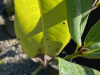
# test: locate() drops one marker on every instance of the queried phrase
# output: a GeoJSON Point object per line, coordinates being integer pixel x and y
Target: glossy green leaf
{"type": "Point", "coordinates": [77, 14]}
{"type": "Point", "coordinates": [68, 68]}
{"type": "Point", "coordinates": [92, 42]}
{"type": "Point", "coordinates": [93, 36]}
{"type": "Point", "coordinates": [41, 26]}
{"type": "Point", "coordinates": [92, 54]}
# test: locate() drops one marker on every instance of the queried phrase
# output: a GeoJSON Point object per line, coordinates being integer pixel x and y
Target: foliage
{"type": "Point", "coordinates": [38, 36]}
{"type": "Point", "coordinates": [92, 42]}
{"type": "Point", "coordinates": [77, 21]}
{"type": "Point", "coordinates": [43, 27]}
{"type": "Point", "coordinates": [68, 68]}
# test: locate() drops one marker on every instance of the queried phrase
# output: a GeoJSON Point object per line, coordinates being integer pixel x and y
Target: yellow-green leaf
{"type": "Point", "coordinates": [41, 26]}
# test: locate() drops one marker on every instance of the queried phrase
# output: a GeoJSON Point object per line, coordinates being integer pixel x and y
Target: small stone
{"type": "Point", "coordinates": [2, 21]}
{"type": "Point", "coordinates": [21, 55]}
{"type": "Point", "coordinates": [10, 42]}
{"type": "Point", "coordinates": [13, 61]}
{"type": "Point", "coordinates": [10, 58]}
{"type": "Point", "coordinates": [4, 61]}
{"type": "Point", "coordinates": [13, 41]}
{"type": "Point", "coordinates": [20, 46]}
{"type": "Point", "coordinates": [13, 48]}
{"type": "Point", "coordinates": [20, 51]}
{"type": "Point", "coordinates": [17, 51]}
{"type": "Point", "coordinates": [7, 44]}
{"type": "Point", "coordinates": [7, 58]}
{"type": "Point", "coordinates": [17, 57]}
{"type": "Point", "coordinates": [24, 56]}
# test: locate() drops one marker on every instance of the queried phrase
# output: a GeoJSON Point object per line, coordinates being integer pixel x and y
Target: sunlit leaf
{"type": "Point", "coordinates": [41, 26]}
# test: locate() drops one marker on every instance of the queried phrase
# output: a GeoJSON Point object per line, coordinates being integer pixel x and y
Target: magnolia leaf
{"type": "Point", "coordinates": [85, 10]}
{"type": "Point", "coordinates": [41, 26]}
{"type": "Point", "coordinates": [77, 14]}
{"type": "Point", "coordinates": [92, 54]}
{"type": "Point", "coordinates": [68, 68]}
{"type": "Point", "coordinates": [92, 42]}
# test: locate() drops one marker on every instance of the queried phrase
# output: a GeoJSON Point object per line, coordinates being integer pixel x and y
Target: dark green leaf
{"type": "Point", "coordinates": [85, 10]}
{"type": "Point", "coordinates": [68, 68]}
{"type": "Point", "coordinates": [93, 36]}
{"type": "Point", "coordinates": [77, 14]}
{"type": "Point", "coordinates": [92, 42]}
{"type": "Point", "coordinates": [92, 54]}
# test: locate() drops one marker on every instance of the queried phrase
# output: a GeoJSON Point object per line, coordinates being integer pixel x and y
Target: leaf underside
{"type": "Point", "coordinates": [41, 26]}
{"type": "Point", "coordinates": [77, 14]}
{"type": "Point", "coordinates": [68, 68]}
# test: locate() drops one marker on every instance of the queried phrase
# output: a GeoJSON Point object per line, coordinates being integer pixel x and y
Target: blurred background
{"type": "Point", "coordinates": [13, 60]}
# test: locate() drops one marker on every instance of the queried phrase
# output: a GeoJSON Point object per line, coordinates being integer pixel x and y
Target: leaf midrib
{"type": "Point", "coordinates": [41, 17]}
